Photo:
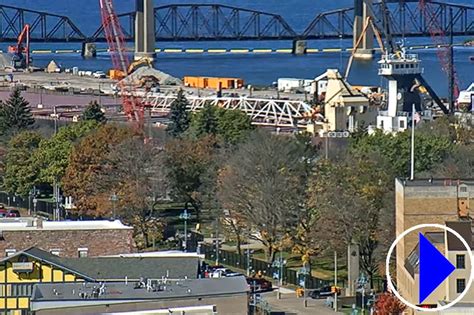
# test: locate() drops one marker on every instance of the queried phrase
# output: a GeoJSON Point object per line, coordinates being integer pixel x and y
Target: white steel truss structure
{"type": "Point", "coordinates": [263, 112]}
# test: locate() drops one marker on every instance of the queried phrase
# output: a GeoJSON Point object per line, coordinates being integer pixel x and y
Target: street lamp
{"type": "Point", "coordinates": [35, 201]}
{"type": "Point", "coordinates": [248, 252]}
{"type": "Point", "coordinates": [185, 216]}
{"type": "Point", "coordinates": [279, 263]}
{"type": "Point", "coordinates": [113, 199]}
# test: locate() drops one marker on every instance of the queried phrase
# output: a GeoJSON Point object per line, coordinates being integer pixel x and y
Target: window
{"type": "Point", "coordinates": [463, 189]}
{"type": "Point", "coordinates": [82, 252]}
{"type": "Point", "coordinates": [402, 124]}
{"type": "Point", "coordinates": [460, 285]}
{"type": "Point", "coordinates": [55, 251]}
{"type": "Point", "coordinates": [10, 252]}
{"type": "Point", "coordinates": [460, 261]}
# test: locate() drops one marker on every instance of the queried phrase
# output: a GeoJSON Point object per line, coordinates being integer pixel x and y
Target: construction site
{"type": "Point", "coordinates": [321, 105]}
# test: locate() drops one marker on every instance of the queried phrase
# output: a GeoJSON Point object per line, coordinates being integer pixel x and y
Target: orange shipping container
{"type": "Point", "coordinates": [213, 83]}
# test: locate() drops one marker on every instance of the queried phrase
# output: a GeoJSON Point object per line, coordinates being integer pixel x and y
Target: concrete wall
{"type": "Point", "coordinates": [235, 304]}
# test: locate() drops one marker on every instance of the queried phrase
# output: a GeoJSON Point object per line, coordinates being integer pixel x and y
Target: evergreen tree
{"type": "Point", "coordinates": [93, 111]}
{"type": "Point", "coordinates": [205, 122]}
{"type": "Point", "coordinates": [179, 116]}
{"type": "Point", "coordinates": [15, 114]}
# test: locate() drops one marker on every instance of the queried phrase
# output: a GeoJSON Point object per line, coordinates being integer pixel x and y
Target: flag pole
{"type": "Point", "coordinates": [412, 160]}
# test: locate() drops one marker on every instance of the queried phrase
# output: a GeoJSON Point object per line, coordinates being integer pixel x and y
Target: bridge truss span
{"type": "Point", "coordinates": [209, 22]}
{"type": "Point", "coordinates": [406, 20]}
{"type": "Point", "coordinates": [263, 112]}
{"type": "Point", "coordinates": [44, 27]}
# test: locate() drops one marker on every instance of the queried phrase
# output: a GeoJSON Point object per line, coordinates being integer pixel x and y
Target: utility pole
{"type": "Point", "coordinates": [451, 63]}
{"type": "Point", "coordinates": [56, 185]}
{"type": "Point", "coordinates": [335, 281]}
{"type": "Point", "coordinates": [217, 241]}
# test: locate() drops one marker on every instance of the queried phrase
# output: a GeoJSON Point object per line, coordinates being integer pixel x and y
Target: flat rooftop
{"type": "Point", "coordinates": [424, 182]}
{"type": "Point", "coordinates": [29, 223]}
{"type": "Point", "coordinates": [147, 290]}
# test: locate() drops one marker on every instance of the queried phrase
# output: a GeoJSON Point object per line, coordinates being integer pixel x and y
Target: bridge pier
{"type": "Point", "coordinates": [365, 50]}
{"type": "Point", "coordinates": [145, 30]}
{"type": "Point", "coordinates": [89, 50]}
{"type": "Point", "coordinates": [299, 47]}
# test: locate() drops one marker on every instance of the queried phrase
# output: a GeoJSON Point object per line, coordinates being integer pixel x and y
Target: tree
{"type": "Point", "coordinates": [234, 126]}
{"type": "Point", "coordinates": [430, 149]}
{"type": "Point", "coordinates": [191, 169]}
{"type": "Point", "coordinates": [389, 304]}
{"type": "Point", "coordinates": [87, 162]}
{"type": "Point", "coordinates": [205, 121]}
{"type": "Point", "coordinates": [264, 183]}
{"type": "Point", "coordinates": [52, 156]}
{"type": "Point", "coordinates": [94, 111]}
{"type": "Point", "coordinates": [349, 197]}
{"type": "Point", "coordinates": [179, 115]}
{"type": "Point", "coordinates": [20, 173]}
{"type": "Point", "coordinates": [229, 126]}
{"type": "Point", "coordinates": [136, 174]}
{"type": "Point", "coordinates": [457, 165]}
{"type": "Point", "coordinates": [15, 114]}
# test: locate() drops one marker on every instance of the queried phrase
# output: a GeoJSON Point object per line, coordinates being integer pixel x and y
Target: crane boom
{"type": "Point", "coordinates": [443, 49]}
{"type": "Point", "coordinates": [19, 49]}
{"type": "Point", "coordinates": [132, 104]}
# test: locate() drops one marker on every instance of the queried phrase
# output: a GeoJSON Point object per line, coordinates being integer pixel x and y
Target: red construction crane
{"type": "Point", "coordinates": [22, 53]}
{"type": "Point", "coordinates": [133, 106]}
{"type": "Point", "coordinates": [443, 47]}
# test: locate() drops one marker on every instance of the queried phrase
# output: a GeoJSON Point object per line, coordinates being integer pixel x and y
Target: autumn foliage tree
{"type": "Point", "coordinates": [87, 162]}
{"type": "Point", "coordinates": [388, 304]}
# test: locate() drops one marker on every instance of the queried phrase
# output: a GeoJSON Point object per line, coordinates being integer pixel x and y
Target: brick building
{"type": "Point", "coordinates": [66, 238]}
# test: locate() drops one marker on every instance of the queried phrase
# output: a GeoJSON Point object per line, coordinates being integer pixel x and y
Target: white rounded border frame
{"type": "Point", "coordinates": [418, 227]}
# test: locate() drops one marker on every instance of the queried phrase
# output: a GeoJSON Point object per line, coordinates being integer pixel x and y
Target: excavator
{"type": "Point", "coordinates": [21, 53]}
{"type": "Point", "coordinates": [142, 62]}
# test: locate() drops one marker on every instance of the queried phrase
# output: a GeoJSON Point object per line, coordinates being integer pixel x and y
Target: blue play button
{"type": "Point", "coordinates": [434, 268]}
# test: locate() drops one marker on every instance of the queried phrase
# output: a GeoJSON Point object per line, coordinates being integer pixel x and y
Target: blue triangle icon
{"type": "Point", "coordinates": [434, 268]}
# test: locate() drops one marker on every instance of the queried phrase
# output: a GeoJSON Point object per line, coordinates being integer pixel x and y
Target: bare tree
{"type": "Point", "coordinates": [263, 183]}
{"type": "Point", "coordinates": [135, 172]}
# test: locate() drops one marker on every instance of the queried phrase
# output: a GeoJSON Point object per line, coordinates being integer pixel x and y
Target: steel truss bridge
{"type": "Point", "coordinates": [263, 112]}
{"type": "Point", "coordinates": [205, 22]}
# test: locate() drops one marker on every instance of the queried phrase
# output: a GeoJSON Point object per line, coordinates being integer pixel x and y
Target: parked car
{"type": "Point", "coordinates": [324, 292]}
{"type": "Point", "coordinates": [224, 272]}
{"type": "Point", "coordinates": [259, 284]}
{"type": "Point", "coordinates": [12, 213]}
{"type": "Point", "coordinates": [99, 75]}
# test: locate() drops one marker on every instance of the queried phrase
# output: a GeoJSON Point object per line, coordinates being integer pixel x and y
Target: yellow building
{"type": "Point", "coordinates": [21, 271]}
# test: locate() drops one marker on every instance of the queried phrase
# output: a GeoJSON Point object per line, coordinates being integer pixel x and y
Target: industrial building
{"type": "Point", "coordinates": [213, 83]}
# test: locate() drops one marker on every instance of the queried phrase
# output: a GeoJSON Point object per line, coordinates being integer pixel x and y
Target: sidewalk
{"type": "Point", "coordinates": [290, 304]}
